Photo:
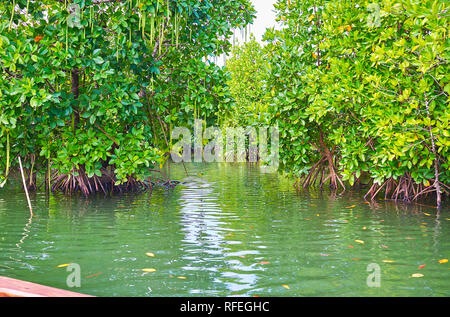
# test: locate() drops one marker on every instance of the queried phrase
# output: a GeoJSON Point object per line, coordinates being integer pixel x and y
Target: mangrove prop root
{"type": "Point", "coordinates": [404, 189]}
{"type": "Point", "coordinates": [327, 163]}
{"type": "Point", "coordinates": [78, 181]}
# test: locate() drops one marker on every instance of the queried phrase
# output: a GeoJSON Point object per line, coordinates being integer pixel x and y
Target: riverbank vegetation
{"type": "Point", "coordinates": [359, 92]}
{"type": "Point", "coordinates": [90, 89]}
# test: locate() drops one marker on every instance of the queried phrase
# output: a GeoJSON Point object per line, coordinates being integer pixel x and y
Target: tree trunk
{"type": "Point", "coordinates": [436, 157]}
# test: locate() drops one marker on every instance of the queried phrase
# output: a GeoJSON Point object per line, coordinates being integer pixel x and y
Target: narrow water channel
{"type": "Point", "coordinates": [229, 230]}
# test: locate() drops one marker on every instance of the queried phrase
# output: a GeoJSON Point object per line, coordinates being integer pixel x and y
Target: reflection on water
{"type": "Point", "coordinates": [205, 227]}
{"type": "Point", "coordinates": [229, 230]}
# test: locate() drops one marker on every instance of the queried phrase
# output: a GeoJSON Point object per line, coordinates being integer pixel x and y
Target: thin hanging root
{"type": "Point", "coordinates": [7, 159]}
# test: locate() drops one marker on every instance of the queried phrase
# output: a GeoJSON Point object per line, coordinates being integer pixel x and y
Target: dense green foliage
{"type": "Point", "coordinates": [89, 89]}
{"type": "Point", "coordinates": [360, 92]}
{"type": "Point", "coordinates": [247, 84]}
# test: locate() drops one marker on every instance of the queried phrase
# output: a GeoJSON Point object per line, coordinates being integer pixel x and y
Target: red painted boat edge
{"type": "Point", "coordinates": [10, 287]}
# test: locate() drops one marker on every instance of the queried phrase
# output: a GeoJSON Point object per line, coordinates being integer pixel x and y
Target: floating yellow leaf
{"type": "Point", "coordinates": [360, 241]}
{"type": "Point", "coordinates": [149, 270]}
{"type": "Point", "coordinates": [63, 265]}
{"type": "Point", "coordinates": [426, 214]}
{"type": "Point", "coordinates": [182, 277]}
{"type": "Point", "coordinates": [364, 228]}
{"type": "Point", "coordinates": [417, 275]}
{"type": "Point", "coordinates": [388, 261]}
{"type": "Point", "coordinates": [443, 261]}
{"type": "Point", "coordinates": [149, 254]}
{"type": "Point", "coordinates": [286, 286]}
{"type": "Point", "coordinates": [351, 206]}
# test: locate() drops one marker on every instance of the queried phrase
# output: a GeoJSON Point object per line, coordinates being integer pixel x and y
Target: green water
{"type": "Point", "coordinates": [228, 231]}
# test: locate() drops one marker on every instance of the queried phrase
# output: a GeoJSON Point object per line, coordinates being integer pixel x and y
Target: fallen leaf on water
{"type": "Point", "coordinates": [409, 238]}
{"type": "Point", "coordinates": [388, 261]}
{"type": "Point", "coordinates": [426, 214]}
{"type": "Point", "coordinates": [241, 256]}
{"type": "Point", "coordinates": [63, 265]}
{"type": "Point", "coordinates": [360, 241]}
{"type": "Point", "coordinates": [443, 261]}
{"type": "Point", "coordinates": [93, 275]}
{"type": "Point", "coordinates": [351, 206]}
{"type": "Point", "coordinates": [149, 270]}
{"type": "Point", "coordinates": [350, 246]}
{"type": "Point", "coordinates": [286, 286]}
{"type": "Point", "coordinates": [364, 228]}
{"type": "Point", "coordinates": [264, 262]}
{"type": "Point", "coordinates": [182, 277]}
{"type": "Point", "coordinates": [317, 215]}
{"type": "Point", "coordinates": [422, 266]}
{"type": "Point", "coordinates": [384, 246]}
{"type": "Point", "coordinates": [417, 275]}
{"type": "Point", "coordinates": [324, 254]}
{"type": "Point", "coordinates": [149, 254]}
{"type": "Point", "coordinates": [356, 259]}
